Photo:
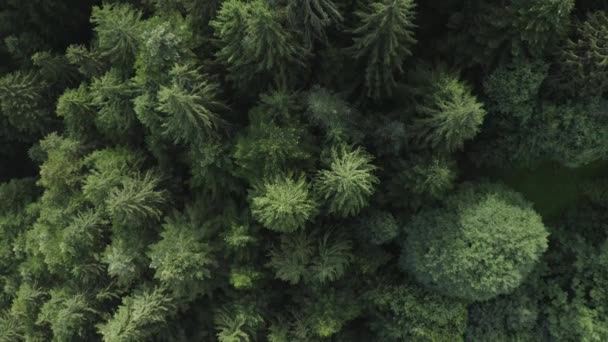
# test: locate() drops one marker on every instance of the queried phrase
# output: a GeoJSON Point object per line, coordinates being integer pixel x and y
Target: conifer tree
{"type": "Point", "coordinates": [118, 29]}
{"type": "Point", "coordinates": [383, 40]}
{"type": "Point", "coordinates": [284, 205]}
{"type": "Point", "coordinates": [540, 22]}
{"type": "Point", "coordinates": [190, 104]}
{"type": "Point", "coordinates": [255, 43]}
{"type": "Point", "coordinates": [139, 317]}
{"type": "Point", "coordinates": [349, 182]}
{"type": "Point", "coordinates": [448, 115]}
{"type": "Point", "coordinates": [67, 314]}
{"type": "Point", "coordinates": [112, 95]}
{"type": "Point", "coordinates": [23, 103]}
{"type": "Point", "coordinates": [183, 270]}
{"type": "Point", "coordinates": [584, 57]}
{"type": "Point", "coordinates": [312, 17]}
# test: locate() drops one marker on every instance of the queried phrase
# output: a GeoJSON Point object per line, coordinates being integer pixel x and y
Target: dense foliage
{"type": "Point", "coordinates": [303, 170]}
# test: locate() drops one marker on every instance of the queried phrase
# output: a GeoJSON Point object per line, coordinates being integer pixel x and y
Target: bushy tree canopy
{"type": "Point", "coordinates": [483, 243]}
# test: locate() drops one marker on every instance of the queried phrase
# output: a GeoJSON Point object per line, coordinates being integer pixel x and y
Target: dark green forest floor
{"type": "Point", "coordinates": [550, 186]}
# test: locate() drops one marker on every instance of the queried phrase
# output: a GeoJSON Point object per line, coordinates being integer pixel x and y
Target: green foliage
{"type": "Point", "coordinates": [378, 227]}
{"type": "Point", "coordinates": [254, 43]}
{"type": "Point", "coordinates": [77, 111]}
{"type": "Point", "coordinates": [252, 170]}
{"type": "Point", "coordinates": [284, 205]}
{"type": "Point", "coordinates": [266, 149]}
{"type": "Point", "coordinates": [189, 105]}
{"type": "Point", "coordinates": [383, 39]}
{"type": "Point", "coordinates": [430, 177]}
{"type": "Point", "coordinates": [505, 318]}
{"type": "Point", "coordinates": [66, 314]}
{"type": "Point", "coordinates": [183, 269]}
{"type": "Point", "coordinates": [448, 113]}
{"type": "Point", "coordinates": [539, 21]}
{"type": "Point", "coordinates": [309, 257]}
{"type": "Point", "coordinates": [22, 102]}
{"type": "Point", "coordinates": [136, 199]}
{"type": "Point", "coordinates": [584, 57]}
{"type": "Point", "coordinates": [333, 114]}
{"type": "Point", "coordinates": [139, 317]}
{"type": "Point", "coordinates": [237, 323]}
{"type": "Point", "coordinates": [349, 182]}
{"type": "Point", "coordinates": [514, 88]}
{"type": "Point", "coordinates": [112, 95]}
{"type": "Point", "coordinates": [312, 17]}
{"type": "Point", "coordinates": [482, 243]}
{"type": "Point", "coordinates": [118, 29]}
{"type": "Point", "coordinates": [410, 313]}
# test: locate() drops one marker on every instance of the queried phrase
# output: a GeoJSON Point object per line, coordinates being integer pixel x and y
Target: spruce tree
{"type": "Point", "coordinates": [284, 205]}
{"type": "Point", "coordinates": [383, 39]}
{"type": "Point", "coordinates": [448, 115]}
{"type": "Point", "coordinates": [349, 181]}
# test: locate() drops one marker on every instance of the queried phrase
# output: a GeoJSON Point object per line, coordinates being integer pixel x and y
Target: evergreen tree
{"type": "Point", "coordinates": [254, 42]}
{"type": "Point", "coordinates": [584, 59]}
{"type": "Point", "coordinates": [312, 17]}
{"type": "Point", "coordinates": [189, 104]}
{"type": "Point", "coordinates": [383, 39]}
{"type": "Point", "coordinates": [349, 181]}
{"type": "Point", "coordinates": [284, 205]}
{"type": "Point", "coordinates": [139, 317]}
{"type": "Point", "coordinates": [118, 29]}
{"type": "Point", "coordinates": [448, 115]}
{"type": "Point", "coordinates": [185, 269]}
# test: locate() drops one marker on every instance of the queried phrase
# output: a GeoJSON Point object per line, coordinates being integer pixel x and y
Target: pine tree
{"type": "Point", "coordinates": [23, 102]}
{"type": "Point", "coordinates": [448, 115]}
{"type": "Point", "coordinates": [378, 227]}
{"type": "Point", "coordinates": [384, 39]}
{"type": "Point", "coordinates": [137, 198]}
{"type": "Point", "coordinates": [186, 269]}
{"type": "Point", "coordinates": [254, 43]}
{"type": "Point", "coordinates": [333, 114]}
{"type": "Point", "coordinates": [284, 205]}
{"type": "Point", "coordinates": [349, 181]}
{"type": "Point", "coordinates": [112, 95]}
{"type": "Point", "coordinates": [118, 29]}
{"type": "Point", "coordinates": [311, 258]}
{"type": "Point", "coordinates": [312, 17]}
{"type": "Point", "coordinates": [540, 22]}
{"type": "Point", "coordinates": [139, 317]}
{"type": "Point", "coordinates": [265, 149]}
{"type": "Point", "coordinates": [77, 111]}
{"type": "Point", "coordinates": [237, 323]}
{"type": "Point", "coordinates": [68, 315]}
{"type": "Point", "coordinates": [584, 58]}
{"type": "Point", "coordinates": [190, 105]}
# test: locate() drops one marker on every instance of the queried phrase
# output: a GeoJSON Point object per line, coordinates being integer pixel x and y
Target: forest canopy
{"type": "Point", "coordinates": [303, 170]}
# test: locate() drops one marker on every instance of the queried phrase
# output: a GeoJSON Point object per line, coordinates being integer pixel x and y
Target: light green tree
{"type": "Point", "coordinates": [284, 205]}
{"type": "Point", "coordinates": [349, 181]}
{"type": "Point", "coordinates": [482, 243]}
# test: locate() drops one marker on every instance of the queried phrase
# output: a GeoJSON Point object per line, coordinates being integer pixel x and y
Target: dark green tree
{"type": "Point", "coordinates": [383, 39]}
